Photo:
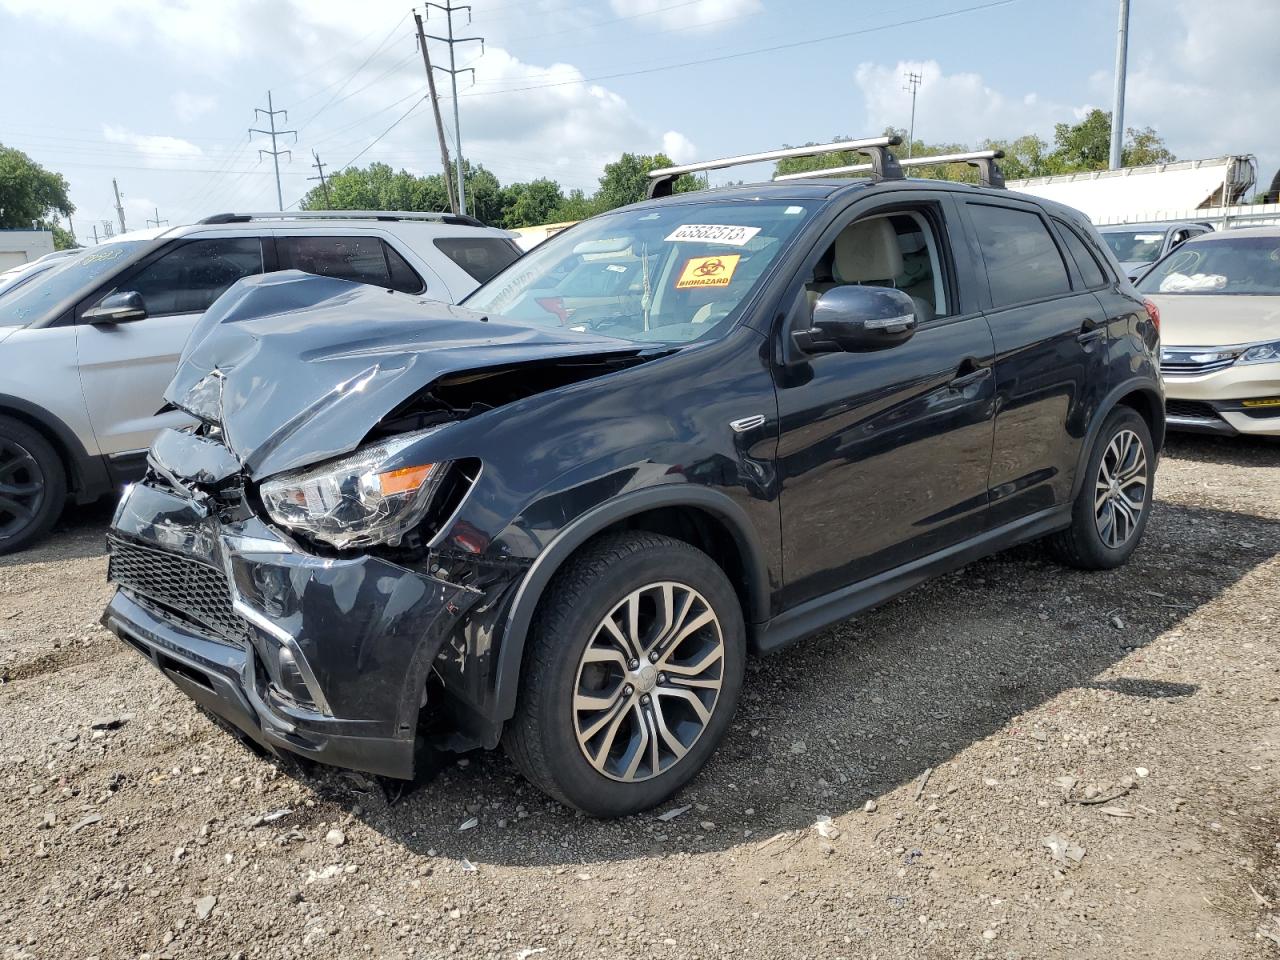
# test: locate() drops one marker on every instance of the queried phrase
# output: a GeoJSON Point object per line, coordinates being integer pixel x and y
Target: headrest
{"type": "Point", "coordinates": [867, 251]}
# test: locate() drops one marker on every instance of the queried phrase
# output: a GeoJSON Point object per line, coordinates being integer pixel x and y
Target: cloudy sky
{"type": "Point", "coordinates": [160, 93]}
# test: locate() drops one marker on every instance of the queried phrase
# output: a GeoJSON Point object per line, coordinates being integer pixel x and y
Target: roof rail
{"type": "Point", "coordinates": [453, 219]}
{"type": "Point", "coordinates": [883, 163]}
{"type": "Point", "coordinates": [989, 174]}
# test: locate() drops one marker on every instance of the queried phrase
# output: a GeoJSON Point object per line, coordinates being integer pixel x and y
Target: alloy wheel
{"type": "Point", "coordinates": [648, 681]}
{"type": "Point", "coordinates": [21, 488]}
{"type": "Point", "coordinates": [1120, 490]}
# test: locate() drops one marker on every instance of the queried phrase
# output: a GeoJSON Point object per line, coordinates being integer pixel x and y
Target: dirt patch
{"type": "Point", "coordinates": [957, 739]}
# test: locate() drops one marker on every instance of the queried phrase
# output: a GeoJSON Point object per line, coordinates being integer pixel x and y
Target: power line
{"type": "Point", "coordinates": [324, 184]}
{"type": "Point", "coordinates": [912, 84]}
{"type": "Point", "coordinates": [274, 153]}
{"type": "Point", "coordinates": [745, 53]}
{"type": "Point", "coordinates": [402, 118]}
{"type": "Point", "coordinates": [354, 73]}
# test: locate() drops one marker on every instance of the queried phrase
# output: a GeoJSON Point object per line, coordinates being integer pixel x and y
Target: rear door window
{"type": "Point", "coordinates": [480, 257]}
{"type": "Point", "coordinates": [193, 275]}
{"type": "Point", "coordinates": [358, 259]}
{"type": "Point", "coordinates": [1023, 262]}
{"type": "Point", "coordinates": [1090, 272]}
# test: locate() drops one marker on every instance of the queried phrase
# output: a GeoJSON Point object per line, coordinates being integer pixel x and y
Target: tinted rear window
{"type": "Point", "coordinates": [480, 257]}
{"type": "Point", "coordinates": [1088, 266]}
{"type": "Point", "coordinates": [1023, 262]}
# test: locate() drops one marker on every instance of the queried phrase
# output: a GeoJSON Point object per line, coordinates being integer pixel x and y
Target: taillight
{"type": "Point", "coordinates": [1153, 312]}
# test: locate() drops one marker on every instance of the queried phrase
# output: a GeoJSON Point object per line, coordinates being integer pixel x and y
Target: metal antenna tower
{"type": "Point", "coordinates": [270, 114]}
{"type": "Point", "coordinates": [453, 71]}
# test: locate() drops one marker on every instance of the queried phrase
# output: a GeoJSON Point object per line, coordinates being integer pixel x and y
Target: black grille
{"type": "Point", "coordinates": [1190, 408]}
{"type": "Point", "coordinates": [185, 589]}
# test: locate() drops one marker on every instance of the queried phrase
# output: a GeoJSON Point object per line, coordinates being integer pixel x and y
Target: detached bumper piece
{"type": "Point", "coordinates": [327, 658]}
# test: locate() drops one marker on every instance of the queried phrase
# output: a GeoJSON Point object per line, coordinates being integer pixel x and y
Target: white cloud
{"type": "Point", "coordinates": [1209, 84]}
{"type": "Point", "coordinates": [673, 16]}
{"type": "Point", "coordinates": [155, 151]}
{"type": "Point", "coordinates": [678, 147]}
{"type": "Point", "coordinates": [952, 108]}
{"type": "Point", "coordinates": [191, 106]}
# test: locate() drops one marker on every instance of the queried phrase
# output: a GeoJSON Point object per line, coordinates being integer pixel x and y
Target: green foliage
{"type": "Point", "coordinates": [30, 192]}
{"type": "Point", "coordinates": [524, 204]}
{"type": "Point", "coordinates": [1081, 146]}
{"type": "Point", "coordinates": [62, 239]}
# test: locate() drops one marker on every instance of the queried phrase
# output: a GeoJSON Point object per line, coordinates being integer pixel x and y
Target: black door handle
{"type": "Point", "coordinates": [1091, 330]}
{"type": "Point", "coordinates": [969, 374]}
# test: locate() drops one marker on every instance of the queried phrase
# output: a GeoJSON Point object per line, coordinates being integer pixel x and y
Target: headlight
{"type": "Point", "coordinates": [1262, 353]}
{"type": "Point", "coordinates": [367, 498]}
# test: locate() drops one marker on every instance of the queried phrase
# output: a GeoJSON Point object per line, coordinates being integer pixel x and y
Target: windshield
{"type": "Point", "coordinates": [1129, 246]}
{"type": "Point", "coordinates": [668, 274]}
{"type": "Point", "coordinates": [31, 301]}
{"type": "Point", "coordinates": [1241, 265]}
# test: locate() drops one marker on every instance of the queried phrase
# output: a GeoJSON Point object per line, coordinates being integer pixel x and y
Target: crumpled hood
{"type": "Point", "coordinates": [311, 364]}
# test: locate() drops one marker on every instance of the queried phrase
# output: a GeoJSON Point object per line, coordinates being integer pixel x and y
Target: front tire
{"type": "Point", "coordinates": [1111, 511]}
{"type": "Point", "coordinates": [33, 486]}
{"type": "Point", "coordinates": [632, 674]}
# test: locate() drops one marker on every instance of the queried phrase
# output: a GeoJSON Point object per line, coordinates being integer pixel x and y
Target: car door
{"type": "Point", "coordinates": [883, 456]}
{"type": "Point", "coordinates": [125, 367]}
{"type": "Point", "coordinates": [1051, 355]}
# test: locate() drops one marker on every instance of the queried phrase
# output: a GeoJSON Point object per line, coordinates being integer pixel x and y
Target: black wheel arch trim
{"type": "Point", "coordinates": [594, 521]}
{"type": "Point", "coordinates": [88, 475]}
{"type": "Point", "coordinates": [1155, 396]}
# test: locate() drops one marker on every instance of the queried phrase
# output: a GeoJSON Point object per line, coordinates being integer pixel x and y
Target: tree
{"type": "Point", "coordinates": [626, 180]}
{"type": "Point", "coordinates": [531, 204]}
{"type": "Point", "coordinates": [29, 192]}
{"type": "Point", "coordinates": [1087, 145]}
{"type": "Point", "coordinates": [1027, 156]}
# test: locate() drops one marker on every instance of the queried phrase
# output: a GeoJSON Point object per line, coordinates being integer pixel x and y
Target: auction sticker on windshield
{"type": "Point", "coordinates": [708, 272]}
{"type": "Point", "coordinates": [734, 236]}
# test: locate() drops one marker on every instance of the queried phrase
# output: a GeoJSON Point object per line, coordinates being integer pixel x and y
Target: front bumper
{"type": "Point", "coordinates": [1225, 401]}
{"type": "Point", "coordinates": [327, 658]}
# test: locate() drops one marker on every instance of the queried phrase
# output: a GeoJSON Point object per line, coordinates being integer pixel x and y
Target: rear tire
{"type": "Point", "coordinates": [33, 485]}
{"type": "Point", "coordinates": [1111, 511]}
{"type": "Point", "coordinates": [632, 672]}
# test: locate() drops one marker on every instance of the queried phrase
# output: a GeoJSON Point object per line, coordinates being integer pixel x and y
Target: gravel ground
{"type": "Point", "coordinates": [1017, 761]}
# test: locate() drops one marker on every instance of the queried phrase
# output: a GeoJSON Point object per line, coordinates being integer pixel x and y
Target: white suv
{"type": "Point", "coordinates": [87, 349]}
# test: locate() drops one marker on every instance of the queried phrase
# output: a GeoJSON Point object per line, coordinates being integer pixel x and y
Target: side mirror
{"type": "Point", "coordinates": [118, 308]}
{"type": "Point", "coordinates": [853, 318]}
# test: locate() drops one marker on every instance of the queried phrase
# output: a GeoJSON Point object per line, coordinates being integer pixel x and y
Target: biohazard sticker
{"type": "Point", "coordinates": [734, 236]}
{"type": "Point", "coordinates": [708, 272]}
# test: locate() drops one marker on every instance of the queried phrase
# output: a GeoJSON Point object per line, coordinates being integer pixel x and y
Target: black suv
{"type": "Point", "coordinates": [560, 516]}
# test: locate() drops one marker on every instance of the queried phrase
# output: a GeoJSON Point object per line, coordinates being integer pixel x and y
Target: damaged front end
{"type": "Point", "coordinates": [295, 563]}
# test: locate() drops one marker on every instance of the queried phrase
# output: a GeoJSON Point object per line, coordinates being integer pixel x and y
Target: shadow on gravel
{"type": "Point", "coordinates": [1236, 451]}
{"type": "Point", "coordinates": [861, 708]}
{"type": "Point", "coordinates": [80, 532]}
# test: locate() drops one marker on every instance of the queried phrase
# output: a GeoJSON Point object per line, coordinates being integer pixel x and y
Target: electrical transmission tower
{"type": "Point", "coordinates": [453, 71]}
{"type": "Point", "coordinates": [273, 133]}
{"type": "Point", "coordinates": [157, 221]}
{"type": "Point", "coordinates": [324, 184]}
{"type": "Point", "coordinates": [435, 109]}
{"type": "Point", "coordinates": [912, 85]}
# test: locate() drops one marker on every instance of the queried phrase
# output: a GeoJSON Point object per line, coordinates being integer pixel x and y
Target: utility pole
{"type": "Point", "coordinates": [157, 221]}
{"type": "Point", "coordinates": [270, 114]}
{"type": "Point", "coordinates": [913, 84]}
{"type": "Point", "coordinates": [324, 184]}
{"type": "Point", "coordinates": [1117, 106]}
{"type": "Point", "coordinates": [71, 229]}
{"type": "Point", "coordinates": [119, 207]}
{"type": "Point", "coordinates": [453, 71]}
{"type": "Point", "coordinates": [95, 234]}
{"type": "Point", "coordinates": [435, 108]}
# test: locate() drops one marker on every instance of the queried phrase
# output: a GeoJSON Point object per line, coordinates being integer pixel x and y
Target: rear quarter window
{"type": "Point", "coordinates": [481, 257]}
{"type": "Point", "coordinates": [1090, 271]}
{"type": "Point", "coordinates": [1023, 262]}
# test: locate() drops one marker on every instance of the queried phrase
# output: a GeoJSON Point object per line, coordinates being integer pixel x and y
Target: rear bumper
{"type": "Point", "coordinates": [327, 658]}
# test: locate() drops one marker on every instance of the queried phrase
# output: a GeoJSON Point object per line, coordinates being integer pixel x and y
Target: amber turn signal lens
{"type": "Point", "coordinates": [404, 480]}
